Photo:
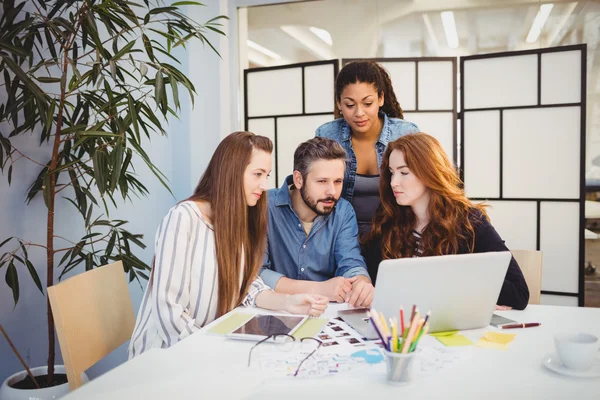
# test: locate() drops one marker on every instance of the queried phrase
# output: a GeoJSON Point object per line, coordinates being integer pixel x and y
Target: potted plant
{"type": "Point", "coordinates": [89, 79]}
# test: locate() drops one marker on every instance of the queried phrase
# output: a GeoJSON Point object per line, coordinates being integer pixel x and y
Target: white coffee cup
{"type": "Point", "coordinates": [576, 350]}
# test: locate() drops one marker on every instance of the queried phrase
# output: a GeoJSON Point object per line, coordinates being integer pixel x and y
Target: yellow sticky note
{"type": "Point", "coordinates": [310, 328]}
{"type": "Point", "coordinates": [454, 340]}
{"type": "Point", "coordinates": [230, 323]}
{"type": "Point", "coordinates": [500, 338]}
{"type": "Point", "coordinates": [486, 344]}
{"type": "Point", "coordinates": [446, 333]}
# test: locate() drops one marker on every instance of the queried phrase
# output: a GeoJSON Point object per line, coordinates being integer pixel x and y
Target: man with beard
{"type": "Point", "coordinates": [313, 234]}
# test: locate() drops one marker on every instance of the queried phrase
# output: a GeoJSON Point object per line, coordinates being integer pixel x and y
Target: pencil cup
{"type": "Point", "coordinates": [398, 366]}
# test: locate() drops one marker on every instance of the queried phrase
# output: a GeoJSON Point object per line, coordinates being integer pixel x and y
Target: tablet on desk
{"type": "Point", "coordinates": [261, 326]}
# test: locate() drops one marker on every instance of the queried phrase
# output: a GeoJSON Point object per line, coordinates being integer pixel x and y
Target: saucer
{"type": "Point", "coordinates": [552, 362]}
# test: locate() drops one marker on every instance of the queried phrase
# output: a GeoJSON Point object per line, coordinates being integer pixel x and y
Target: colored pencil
{"type": "Point", "coordinates": [411, 333]}
{"type": "Point", "coordinates": [402, 321]}
{"type": "Point", "coordinates": [383, 342]}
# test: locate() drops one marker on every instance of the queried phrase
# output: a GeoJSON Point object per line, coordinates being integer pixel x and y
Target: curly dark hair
{"type": "Point", "coordinates": [367, 71]}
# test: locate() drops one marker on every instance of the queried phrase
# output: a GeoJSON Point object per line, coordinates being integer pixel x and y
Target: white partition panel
{"type": "Point", "coordinates": [482, 150]}
{"type": "Point", "coordinates": [404, 81]}
{"type": "Point", "coordinates": [552, 170]}
{"type": "Point", "coordinates": [319, 88]}
{"type": "Point", "coordinates": [523, 147]}
{"type": "Point", "coordinates": [559, 241]}
{"type": "Point", "coordinates": [275, 92]}
{"type": "Point", "coordinates": [266, 127]}
{"type": "Point", "coordinates": [517, 236]}
{"type": "Point", "coordinates": [291, 131]}
{"type": "Point", "coordinates": [288, 103]}
{"type": "Point", "coordinates": [436, 85]}
{"type": "Point", "coordinates": [437, 124]}
{"type": "Point", "coordinates": [500, 82]}
{"type": "Point", "coordinates": [554, 300]}
{"type": "Point", "coordinates": [558, 87]}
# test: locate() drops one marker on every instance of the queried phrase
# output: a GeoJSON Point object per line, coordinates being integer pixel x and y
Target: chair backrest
{"type": "Point", "coordinates": [530, 262]}
{"type": "Point", "coordinates": [93, 316]}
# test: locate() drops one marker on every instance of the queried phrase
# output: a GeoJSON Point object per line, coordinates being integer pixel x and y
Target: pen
{"type": "Point", "coordinates": [523, 325]}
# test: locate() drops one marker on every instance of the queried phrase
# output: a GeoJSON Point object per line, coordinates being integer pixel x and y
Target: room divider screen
{"type": "Point", "coordinates": [523, 152]}
{"type": "Point", "coordinates": [288, 103]}
{"type": "Point", "coordinates": [521, 147]}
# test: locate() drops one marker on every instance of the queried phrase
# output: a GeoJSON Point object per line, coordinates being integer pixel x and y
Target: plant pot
{"type": "Point", "coordinates": [9, 393]}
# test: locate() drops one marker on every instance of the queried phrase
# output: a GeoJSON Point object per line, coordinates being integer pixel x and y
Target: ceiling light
{"type": "Point", "coordinates": [263, 50]}
{"type": "Point", "coordinates": [322, 34]}
{"type": "Point", "coordinates": [450, 29]}
{"type": "Point", "coordinates": [308, 40]}
{"type": "Point", "coordinates": [435, 46]}
{"type": "Point", "coordinates": [538, 23]}
{"type": "Point", "coordinates": [554, 35]}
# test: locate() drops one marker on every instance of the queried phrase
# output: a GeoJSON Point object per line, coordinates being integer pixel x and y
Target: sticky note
{"type": "Point", "coordinates": [501, 338]}
{"type": "Point", "coordinates": [495, 340]}
{"type": "Point", "coordinates": [232, 322]}
{"type": "Point", "coordinates": [310, 328]}
{"type": "Point", "coordinates": [454, 340]}
{"type": "Point", "coordinates": [446, 333]}
{"type": "Point", "coordinates": [485, 344]}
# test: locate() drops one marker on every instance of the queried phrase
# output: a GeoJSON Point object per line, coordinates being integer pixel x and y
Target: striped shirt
{"type": "Point", "coordinates": [182, 295]}
{"type": "Point", "coordinates": [418, 248]}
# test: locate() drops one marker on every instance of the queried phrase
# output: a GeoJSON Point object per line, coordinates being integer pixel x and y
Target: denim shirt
{"type": "Point", "coordinates": [339, 130]}
{"type": "Point", "coordinates": [331, 248]}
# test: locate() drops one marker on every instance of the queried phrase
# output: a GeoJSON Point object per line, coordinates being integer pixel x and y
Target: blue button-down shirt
{"type": "Point", "coordinates": [339, 130]}
{"type": "Point", "coordinates": [331, 248]}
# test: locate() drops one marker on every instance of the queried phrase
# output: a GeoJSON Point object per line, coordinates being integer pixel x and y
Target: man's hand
{"type": "Point", "coordinates": [336, 289]}
{"type": "Point", "coordinates": [362, 292]}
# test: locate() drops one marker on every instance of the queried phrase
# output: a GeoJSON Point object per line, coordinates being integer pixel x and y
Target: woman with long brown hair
{"type": "Point", "coordinates": [424, 212]}
{"type": "Point", "coordinates": [209, 249]}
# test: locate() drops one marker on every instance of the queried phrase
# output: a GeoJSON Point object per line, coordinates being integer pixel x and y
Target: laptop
{"type": "Point", "coordinates": [460, 290]}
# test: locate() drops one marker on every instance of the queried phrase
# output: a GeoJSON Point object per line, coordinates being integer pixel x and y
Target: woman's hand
{"type": "Point", "coordinates": [503, 308]}
{"type": "Point", "coordinates": [306, 304]}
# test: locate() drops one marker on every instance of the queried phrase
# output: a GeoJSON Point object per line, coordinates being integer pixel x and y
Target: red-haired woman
{"type": "Point", "coordinates": [424, 212]}
{"type": "Point", "coordinates": [210, 248]}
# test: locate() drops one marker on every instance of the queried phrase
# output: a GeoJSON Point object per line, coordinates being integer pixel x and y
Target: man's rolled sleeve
{"type": "Point", "coordinates": [269, 277]}
{"type": "Point", "coordinates": [347, 249]}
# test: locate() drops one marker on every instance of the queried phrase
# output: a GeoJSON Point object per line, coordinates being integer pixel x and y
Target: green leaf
{"type": "Point", "coordinates": [5, 241]}
{"type": "Point", "coordinates": [47, 79]}
{"type": "Point", "coordinates": [186, 3]}
{"type": "Point", "coordinates": [46, 189]}
{"type": "Point", "coordinates": [10, 174]}
{"type": "Point", "coordinates": [12, 280]}
{"type": "Point", "coordinates": [117, 163]}
{"type": "Point", "coordinates": [98, 173]}
{"type": "Point", "coordinates": [124, 50]}
{"type": "Point", "coordinates": [175, 94]}
{"type": "Point", "coordinates": [34, 275]}
{"type": "Point", "coordinates": [99, 134]}
{"type": "Point", "coordinates": [159, 87]}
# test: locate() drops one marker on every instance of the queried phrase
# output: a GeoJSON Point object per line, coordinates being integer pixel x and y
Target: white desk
{"type": "Point", "coordinates": [210, 366]}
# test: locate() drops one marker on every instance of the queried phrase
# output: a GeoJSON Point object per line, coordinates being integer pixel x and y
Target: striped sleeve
{"type": "Point", "coordinates": [256, 287]}
{"type": "Point", "coordinates": [171, 287]}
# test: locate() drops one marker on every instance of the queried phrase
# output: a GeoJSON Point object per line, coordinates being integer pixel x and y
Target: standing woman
{"type": "Point", "coordinates": [368, 118]}
{"type": "Point", "coordinates": [209, 249]}
{"type": "Point", "coordinates": [424, 212]}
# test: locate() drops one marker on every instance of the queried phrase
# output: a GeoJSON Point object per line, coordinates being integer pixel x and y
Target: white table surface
{"type": "Point", "coordinates": [210, 366]}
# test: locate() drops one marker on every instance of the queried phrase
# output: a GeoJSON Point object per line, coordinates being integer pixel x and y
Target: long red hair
{"type": "Point", "coordinates": [240, 230]}
{"type": "Point", "coordinates": [451, 213]}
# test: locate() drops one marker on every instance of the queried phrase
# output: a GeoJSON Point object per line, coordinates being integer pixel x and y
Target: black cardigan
{"type": "Point", "coordinates": [514, 292]}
